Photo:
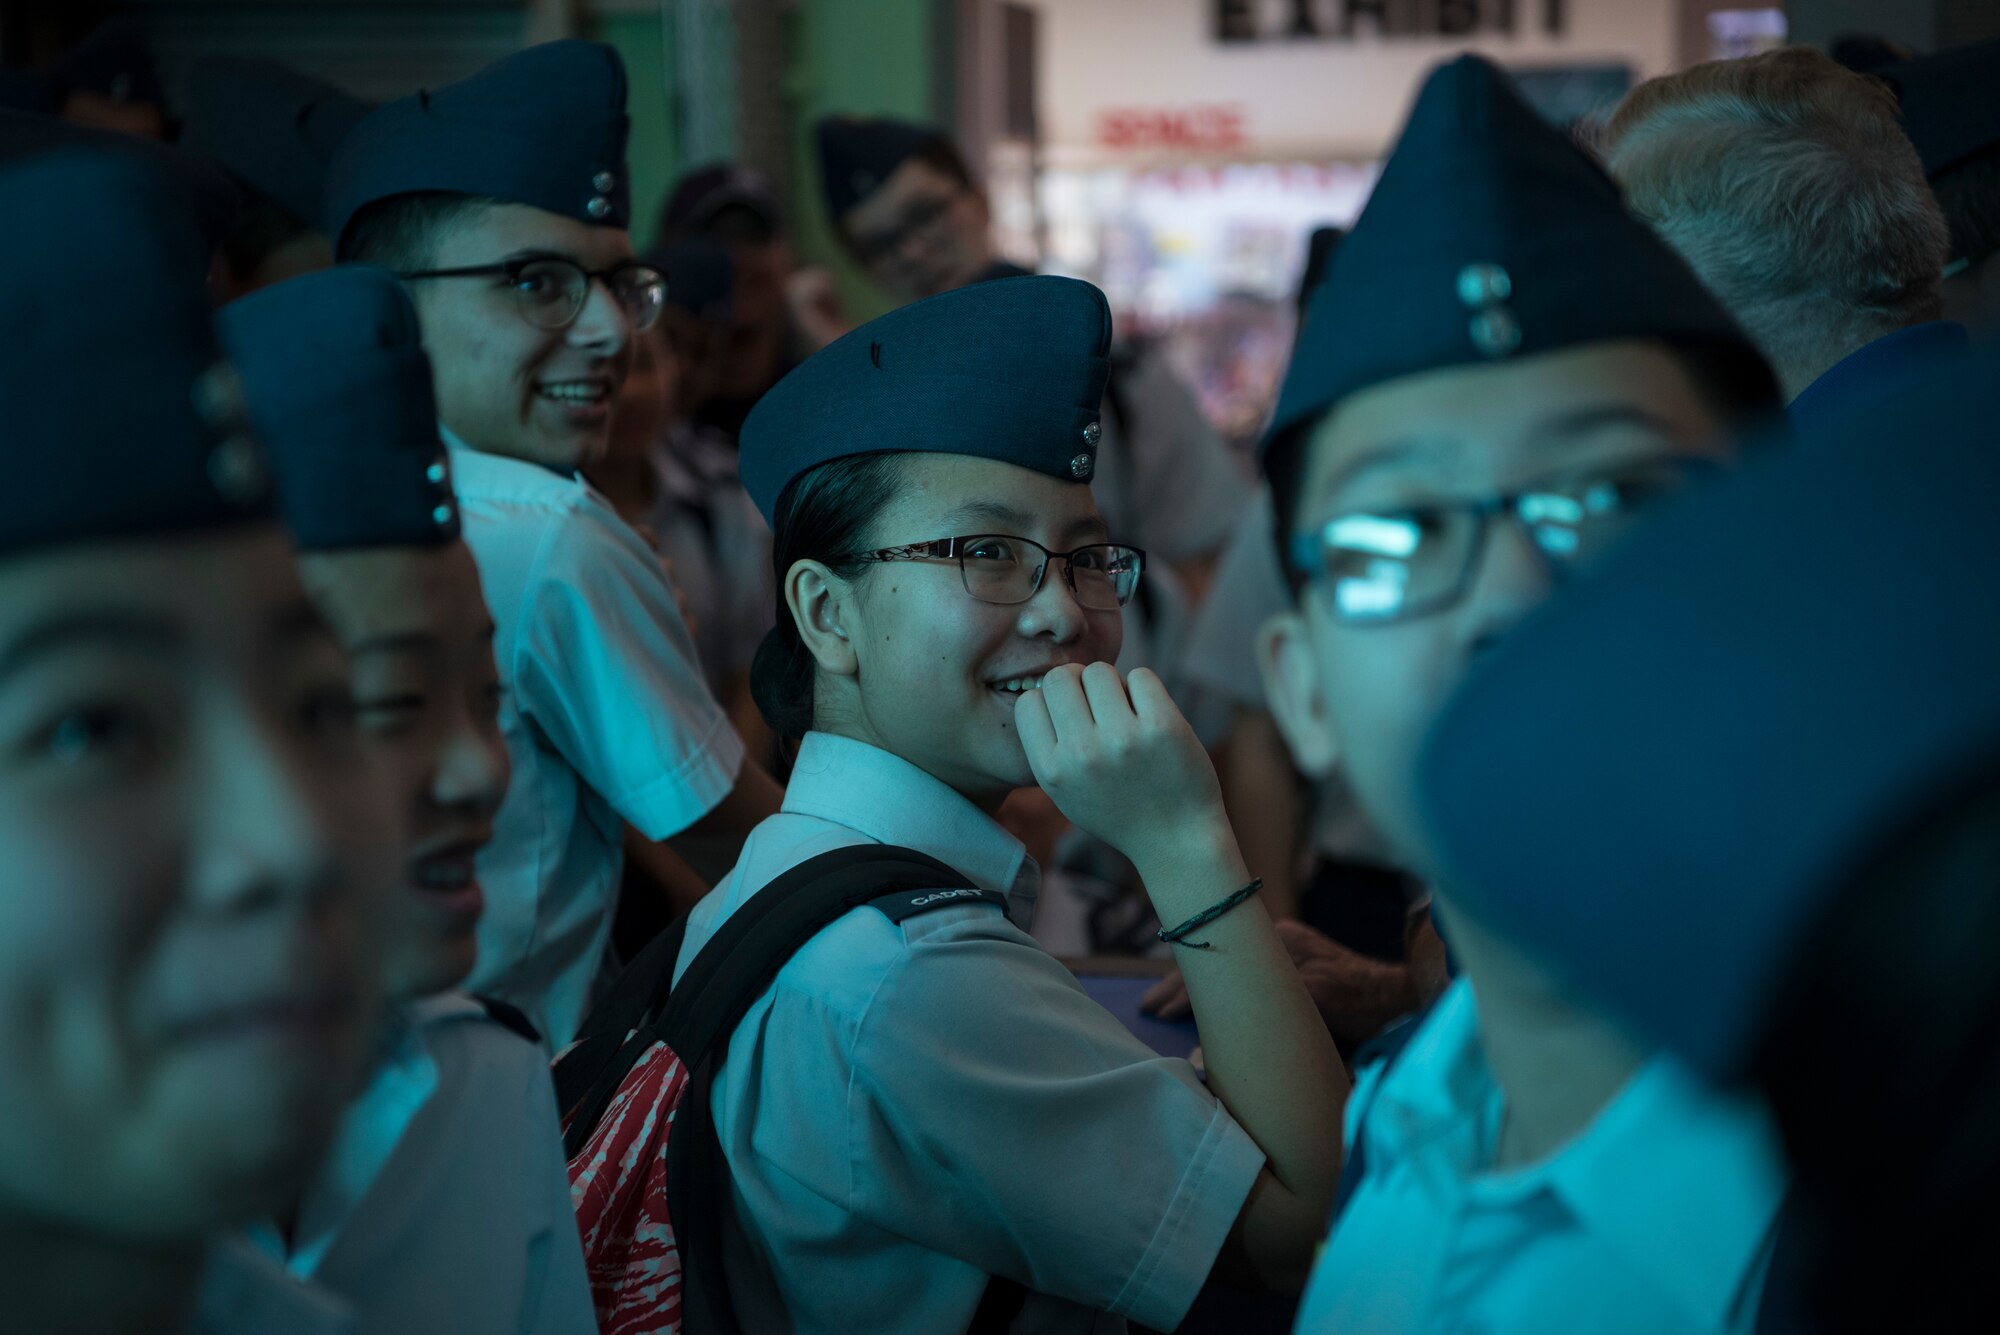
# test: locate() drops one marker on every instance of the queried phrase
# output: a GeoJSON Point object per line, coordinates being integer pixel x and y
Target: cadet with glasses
{"type": "Point", "coordinates": [916, 1108]}
{"type": "Point", "coordinates": [502, 199]}
{"type": "Point", "coordinates": [1550, 368]}
{"type": "Point", "coordinates": [444, 1206]}
{"type": "Point", "coordinates": [195, 847]}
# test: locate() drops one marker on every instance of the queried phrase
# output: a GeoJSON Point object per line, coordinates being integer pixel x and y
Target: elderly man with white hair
{"type": "Point", "coordinates": [1788, 184]}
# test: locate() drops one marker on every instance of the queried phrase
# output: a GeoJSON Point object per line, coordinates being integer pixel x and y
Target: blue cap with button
{"type": "Point", "coordinates": [1662, 779]}
{"type": "Point", "coordinates": [858, 153]}
{"type": "Point", "coordinates": [339, 386]}
{"type": "Point", "coordinates": [274, 129]}
{"type": "Point", "coordinates": [545, 127]}
{"type": "Point", "coordinates": [119, 417]}
{"type": "Point", "coordinates": [1490, 235]}
{"type": "Point", "coordinates": [1011, 371]}
{"type": "Point", "coordinates": [202, 191]}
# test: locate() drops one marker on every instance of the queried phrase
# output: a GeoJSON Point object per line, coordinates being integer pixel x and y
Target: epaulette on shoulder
{"type": "Point", "coordinates": [509, 1017]}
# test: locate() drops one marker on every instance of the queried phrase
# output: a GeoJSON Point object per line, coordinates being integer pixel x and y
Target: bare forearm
{"type": "Point", "coordinates": [1270, 1059]}
{"type": "Point", "coordinates": [1266, 806]}
{"type": "Point", "coordinates": [712, 844]}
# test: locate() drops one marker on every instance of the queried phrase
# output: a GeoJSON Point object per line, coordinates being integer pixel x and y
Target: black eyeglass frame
{"type": "Point", "coordinates": [1309, 546]}
{"type": "Point", "coordinates": [512, 270]}
{"type": "Point", "coordinates": [950, 549]}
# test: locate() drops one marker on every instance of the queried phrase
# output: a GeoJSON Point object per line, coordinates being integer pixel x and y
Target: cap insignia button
{"type": "Point", "coordinates": [1481, 285]}
{"type": "Point", "coordinates": [603, 183]}
{"type": "Point", "coordinates": [598, 207]}
{"type": "Point", "coordinates": [236, 468]}
{"type": "Point", "coordinates": [435, 474]}
{"type": "Point", "coordinates": [1092, 433]}
{"type": "Point", "coordinates": [1080, 466]}
{"type": "Point", "coordinates": [441, 516]}
{"type": "Point", "coordinates": [1495, 332]}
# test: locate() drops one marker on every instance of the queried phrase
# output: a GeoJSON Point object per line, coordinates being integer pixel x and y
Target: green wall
{"type": "Point", "coordinates": [655, 150]}
{"type": "Point", "coordinates": [871, 57]}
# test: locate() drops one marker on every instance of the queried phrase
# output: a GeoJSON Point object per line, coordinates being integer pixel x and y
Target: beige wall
{"type": "Point", "coordinates": [1312, 99]}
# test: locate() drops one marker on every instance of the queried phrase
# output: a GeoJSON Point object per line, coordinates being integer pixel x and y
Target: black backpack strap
{"type": "Point", "coordinates": [735, 968]}
{"type": "Point", "coordinates": [614, 1035]}
{"type": "Point", "coordinates": [509, 1017]}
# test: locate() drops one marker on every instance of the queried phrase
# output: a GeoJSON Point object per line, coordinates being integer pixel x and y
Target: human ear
{"type": "Point", "coordinates": [1291, 673]}
{"type": "Point", "coordinates": [820, 606]}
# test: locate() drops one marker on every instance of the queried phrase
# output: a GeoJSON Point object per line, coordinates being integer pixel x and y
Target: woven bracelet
{"type": "Point", "coordinates": [1178, 935]}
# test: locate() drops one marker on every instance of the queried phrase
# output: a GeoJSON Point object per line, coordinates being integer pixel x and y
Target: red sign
{"type": "Point", "coordinates": [1205, 129]}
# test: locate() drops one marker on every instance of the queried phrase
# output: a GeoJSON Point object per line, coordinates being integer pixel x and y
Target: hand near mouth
{"type": "Point", "coordinates": [1117, 757]}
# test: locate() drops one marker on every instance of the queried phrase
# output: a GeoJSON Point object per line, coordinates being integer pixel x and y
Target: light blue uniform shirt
{"type": "Point", "coordinates": [914, 1107]}
{"type": "Point", "coordinates": [443, 1207]}
{"type": "Point", "coordinates": [1658, 1219]}
{"type": "Point", "coordinates": [606, 718]}
{"type": "Point", "coordinates": [244, 1290]}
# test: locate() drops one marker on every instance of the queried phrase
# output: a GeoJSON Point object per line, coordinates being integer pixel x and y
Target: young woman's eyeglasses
{"type": "Point", "coordinates": [1000, 568]}
{"type": "Point", "coordinates": [1384, 566]}
{"type": "Point", "coordinates": [550, 290]}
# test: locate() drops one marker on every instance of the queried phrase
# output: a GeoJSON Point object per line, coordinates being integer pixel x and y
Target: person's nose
{"type": "Point", "coordinates": [602, 327]}
{"type": "Point", "coordinates": [1515, 576]}
{"type": "Point", "coordinates": [1053, 612]}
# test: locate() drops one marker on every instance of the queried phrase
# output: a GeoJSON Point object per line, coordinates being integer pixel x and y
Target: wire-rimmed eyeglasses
{"type": "Point", "coordinates": [550, 290]}
{"type": "Point", "coordinates": [1379, 567]}
{"type": "Point", "coordinates": [1005, 569]}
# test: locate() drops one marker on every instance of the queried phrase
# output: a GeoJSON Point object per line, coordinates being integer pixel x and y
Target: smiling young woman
{"type": "Point", "coordinates": [916, 1108]}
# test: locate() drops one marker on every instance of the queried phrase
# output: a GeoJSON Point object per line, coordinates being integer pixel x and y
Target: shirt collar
{"type": "Point", "coordinates": [892, 801]}
{"type": "Point", "coordinates": [1624, 1177]}
{"type": "Point", "coordinates": [463, 456]}
{"type": "Point", "coordinates": [1864, 375]}
{"type": "Point", "coordinates": [1628, 1173]}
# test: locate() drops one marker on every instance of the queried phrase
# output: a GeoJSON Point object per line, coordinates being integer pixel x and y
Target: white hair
{"type": "Point", "coordinates": [1786, 182]}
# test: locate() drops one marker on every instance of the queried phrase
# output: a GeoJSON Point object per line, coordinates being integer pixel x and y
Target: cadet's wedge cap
{"type": "Point", "coordinates": [274, 129]}
{"type": "Point", "coordinates": [338, 385]}
{"type": "Point", "coordinates": [858, 153]}
{"type": "Point", "coordinates": [202, 191]}
{"type": "Point", "coordinates": [1489, 236]}
{"type": "Point", "coordinates": [116, 418]}
{"type": "Point", "coordinates": [545, 127]}
{"type": "Point", "coordinates": [1012, 371]}
{"type": "Point", "coordinates": [1659, 780]}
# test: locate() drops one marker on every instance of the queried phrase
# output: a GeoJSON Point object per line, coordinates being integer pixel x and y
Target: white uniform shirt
{"type": "Point", "coordinates": [443, 1207]}
{"type": "Point", "coordinates": [606, 718]}
{"type": "Point", "coordinates": [912, 1108]}
{"type": "Point", "coordinates": [244, 1290]}
{"type": "Point", "coordinates": [1657, 1219]}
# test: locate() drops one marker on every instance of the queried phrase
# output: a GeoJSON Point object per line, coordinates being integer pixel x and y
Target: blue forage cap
{"type": "Point", "coordinates": [545, 127]}
{"type": "Point", "coordinates": [1661, 780]}
{"type": "Point", "coordinates": [339, 387]}
{"type": "Point", "coordinates": [1947, 102]}
{"type": "Point", "coordinates": [1012, 371]}
{"type": "Point", "coordinates": [858, 153]}
{"type": "Point", "coordinates": [26, 90]}
{"type": "Point", "coordinates": [119, 420]}
{"type": "Point", "coordinates": [202, 191]}
{"type": "Point", "coordinates": [115, 62]}
{"type": "Point", "coordinates": [272, 128]}
{"type": "Point", "coordinates": [1490, 236]}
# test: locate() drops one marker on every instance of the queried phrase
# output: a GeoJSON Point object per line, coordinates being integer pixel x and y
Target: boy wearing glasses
{"type": "Point", "coordinates": [502, 202]}
{"type": "Point", "coordinates": [1539, 367]}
